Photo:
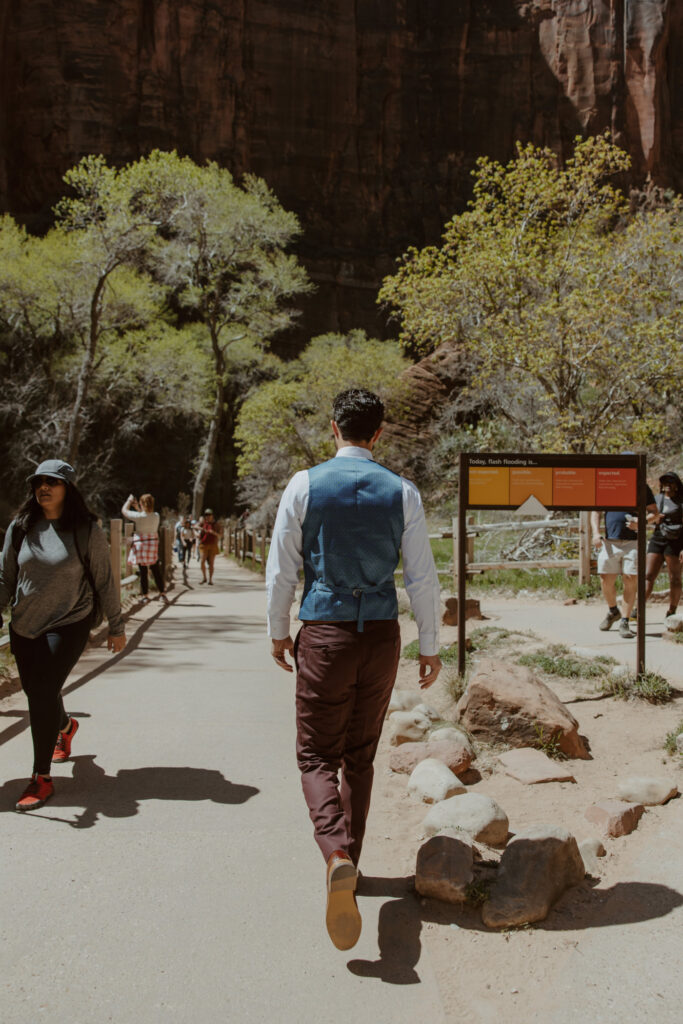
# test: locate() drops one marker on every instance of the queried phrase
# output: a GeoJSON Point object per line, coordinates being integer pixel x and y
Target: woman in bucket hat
{"type": "Point", "coordinates": [55, 573]}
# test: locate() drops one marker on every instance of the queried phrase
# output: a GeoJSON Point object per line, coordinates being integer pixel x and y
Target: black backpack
{"type": "Point", "coordinates": [97, 615]}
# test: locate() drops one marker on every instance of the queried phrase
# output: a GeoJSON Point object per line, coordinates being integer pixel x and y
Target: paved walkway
{"type": "Point", "coordinates": [173, 877]}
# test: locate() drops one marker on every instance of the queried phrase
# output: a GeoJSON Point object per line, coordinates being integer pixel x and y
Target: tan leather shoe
{"type": "Point", "coordinates": [343, 917]}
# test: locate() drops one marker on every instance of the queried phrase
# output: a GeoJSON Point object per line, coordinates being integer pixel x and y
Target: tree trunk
{"type": "Point", "coordinates": [75, 424]}
{"type": "Point", "coordinates": [208, 451]}
{"type": "Point", "coordinates": [86, 372]}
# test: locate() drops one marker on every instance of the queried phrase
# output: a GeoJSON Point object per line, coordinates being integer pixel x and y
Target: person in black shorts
{"type": "Point", "coordinates": [666, 543]}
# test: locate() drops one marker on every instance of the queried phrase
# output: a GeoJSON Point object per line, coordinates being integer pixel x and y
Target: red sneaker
{"type": "Point", "coordinates": [62, 750]}
{"type": "Point", "coordinates": [38, 791]}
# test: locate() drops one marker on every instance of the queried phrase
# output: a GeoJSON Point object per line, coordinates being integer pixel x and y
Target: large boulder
{"type": "Point", "coordinates": [432, 781]}
{"type": "Point", "coordinates": [506, 702]}
{"type": "Point", "coordinates": [444, 867]}
{"type": "Point", "coordinates": [456, 753]}
{"type": "Point", "coordinates": [473, 813]}
{"type": "Point", "coordinates": [538, 865]}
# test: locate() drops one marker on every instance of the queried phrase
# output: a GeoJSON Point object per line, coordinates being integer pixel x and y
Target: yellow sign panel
{"type": "Point", "coordinates": [489, 485]}
{"type": "Point", "coordinates": [536, 481]}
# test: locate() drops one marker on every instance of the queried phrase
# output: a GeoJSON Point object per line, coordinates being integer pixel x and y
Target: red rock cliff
{"type": "Point", "coordinates": [365, 118]}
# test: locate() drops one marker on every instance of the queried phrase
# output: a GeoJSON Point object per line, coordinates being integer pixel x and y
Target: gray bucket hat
{"type": "Point", "coordinates": [54, 467]}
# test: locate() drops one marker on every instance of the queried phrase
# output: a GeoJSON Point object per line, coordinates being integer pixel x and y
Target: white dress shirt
{"type": "Point", "coordinates": [285, 558]}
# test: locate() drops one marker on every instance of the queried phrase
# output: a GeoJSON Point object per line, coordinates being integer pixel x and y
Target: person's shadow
{"type": "Point", "coordinates": [401, 917]}
{"type": "Point", "coordinates": [119, 796]}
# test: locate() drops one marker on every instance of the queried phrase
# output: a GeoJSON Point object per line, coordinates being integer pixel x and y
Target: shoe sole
{"type": "Point", "coordinates": [32, 807]}
{"type": "Point", "coordinates": [343, 917]}
{"type": "Point", "coordinates": [605, 628]}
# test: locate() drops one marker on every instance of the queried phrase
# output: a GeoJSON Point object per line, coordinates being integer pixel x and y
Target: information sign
{"type": "Point", "coordinates": [507, 480]}
{"type": "Point", "coordinates": [562, 482]}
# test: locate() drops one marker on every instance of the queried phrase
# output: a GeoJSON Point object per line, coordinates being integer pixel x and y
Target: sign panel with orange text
{"type": "Point", "coordinates": [558, 482]}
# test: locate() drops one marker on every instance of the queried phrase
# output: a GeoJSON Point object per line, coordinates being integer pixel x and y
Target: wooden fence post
{"type": "Point", "coordinates": [584, 548]}
{"type": "Point", "coordinates": [263, 551]}
{"type": "Point", "coordinates": [115, 530]}
{"type": "Point", "coordinates": [470, 540]}
{"type": "Point", "coordinates": [455, 551]}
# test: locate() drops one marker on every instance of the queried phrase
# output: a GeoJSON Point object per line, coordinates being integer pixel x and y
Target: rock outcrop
{"type": "Point", "coordinates": [506, 702]}
{"type": "Point", "coordinates": [366, 119]}
{"type": "Point", "coordinates": [538, 865]}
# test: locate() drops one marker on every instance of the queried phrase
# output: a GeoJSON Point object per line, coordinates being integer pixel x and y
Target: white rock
{"type": "Point", "coordinates": [590, 850]}
{"type": "Point", "coordinates": [408, 727]}
{"type": "Point", "coordinates": [403, 700]}
{"type": "Point", "coordinates": [647, 790]}
{"type": "Point", "coordinates": [431, 713]}
{"type": "Point", "coordinates": [477, 815]}
{"type": "Point", "coordinates": [679, 743]}
{"type": "Point", "coordinates": [448, 732]}
{"type": "Point", "coordinates": [432, 781]}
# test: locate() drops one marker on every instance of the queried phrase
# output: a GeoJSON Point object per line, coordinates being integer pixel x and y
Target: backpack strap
{"type": "Point", "coordinates": [18, 535]}
{"type": "Point", "coordinates": [84, 559]}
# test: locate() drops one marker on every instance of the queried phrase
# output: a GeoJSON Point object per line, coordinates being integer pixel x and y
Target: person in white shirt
{"type": "Point", "coordinates": [347, 522]}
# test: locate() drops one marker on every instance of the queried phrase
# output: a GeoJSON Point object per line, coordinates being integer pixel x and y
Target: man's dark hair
{"type": "Point", "coordinates": [358, 414]}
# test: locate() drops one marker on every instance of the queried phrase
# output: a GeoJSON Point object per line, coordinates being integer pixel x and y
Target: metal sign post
{"type": "Point", "coordinates": [518, 481]}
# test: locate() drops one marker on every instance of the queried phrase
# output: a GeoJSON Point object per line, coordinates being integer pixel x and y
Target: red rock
{"type": "Point", "coordinates": [455, 753]}
{"type": "Point", "coordinates": [472, 611]}
{"type": "Point", "coordinates": [615, 817]}
{"type": "Point", "coordinates": [532, 766]}
{"type": "Point", "coordinates": [504, 701]}
{"type": "Point", "coordinates": [366, 119]}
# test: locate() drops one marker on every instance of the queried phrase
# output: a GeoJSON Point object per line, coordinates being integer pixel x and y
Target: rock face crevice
{"type": "Point", "coordinates": [365, 118]}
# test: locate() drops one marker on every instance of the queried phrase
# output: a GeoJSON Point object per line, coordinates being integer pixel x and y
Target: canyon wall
{"type": "Point", "coordinates": [365, 116]}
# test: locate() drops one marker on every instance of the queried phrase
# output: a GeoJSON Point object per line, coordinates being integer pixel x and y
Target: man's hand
{"type": "Point", "coordinates": [278, 651]}
{"type": "Point", "coordinates": [430, 666]}
{"type": "Point", "coordinates": [116, 643]}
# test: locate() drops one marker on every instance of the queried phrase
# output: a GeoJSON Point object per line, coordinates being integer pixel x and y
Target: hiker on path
{"type": "Point", "coordinates": [666, 543]}
{"type": "Point", "coordinates": [347, 522]}
{"type": "Point", "coordinates": [55, 571]}
{"type": "Point", "coordinates": [207, 535]}
{"type": "Point", "coordinates": [144, 550]}
{"type": "Point", "coordinates": [617, 551]}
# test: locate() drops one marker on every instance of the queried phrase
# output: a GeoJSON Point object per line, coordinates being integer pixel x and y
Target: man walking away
{"type": "Point", "coordinates": [347, 522]}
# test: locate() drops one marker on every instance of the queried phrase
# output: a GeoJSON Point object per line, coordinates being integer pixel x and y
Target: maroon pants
{"type": "Point", "coordinates": [343, 686]}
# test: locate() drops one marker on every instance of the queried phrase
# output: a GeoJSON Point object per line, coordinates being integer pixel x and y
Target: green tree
{"type": "Point", "coordinates": [284, 424]}
{"type": "Point", "coordinates": [567, 305]}
{"type": "Point", "coordinates": [221, 249]}
{"type": "Point", "coordinates": [100, 240]}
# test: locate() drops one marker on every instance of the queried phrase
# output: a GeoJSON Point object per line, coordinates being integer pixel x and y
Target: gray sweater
{"type": "Point", "coordinates": [45, 583]}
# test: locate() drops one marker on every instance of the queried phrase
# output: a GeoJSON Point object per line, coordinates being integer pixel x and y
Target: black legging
{"type": "Point", "coordinates": [44, 663]}
{"type": "Point", "coordinates": [144, 578]}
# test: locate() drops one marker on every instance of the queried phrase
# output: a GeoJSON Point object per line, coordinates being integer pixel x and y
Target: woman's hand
{"type": "Point", "coordinates": [116, 643]}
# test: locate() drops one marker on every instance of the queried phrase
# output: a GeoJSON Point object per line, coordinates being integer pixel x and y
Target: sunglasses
{"type": "Point", "coordinates": [51, 481]}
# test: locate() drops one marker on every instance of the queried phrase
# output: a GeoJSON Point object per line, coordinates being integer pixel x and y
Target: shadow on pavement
{"type": "Point", "coordinates": [119, 796]}
{"type": "Point", "coordinates": [401, 918]}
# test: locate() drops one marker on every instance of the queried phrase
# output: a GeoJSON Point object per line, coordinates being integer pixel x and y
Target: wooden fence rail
{"type": "Point", "coordinates": [243, 543]}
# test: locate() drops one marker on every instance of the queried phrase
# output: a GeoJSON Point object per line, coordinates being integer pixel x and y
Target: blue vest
{"type": "Point", "coordinates": [351, 541]}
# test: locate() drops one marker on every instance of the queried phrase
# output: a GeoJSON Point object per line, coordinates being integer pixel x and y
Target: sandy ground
{"type": "Point", "coordinates": [612, 946]}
